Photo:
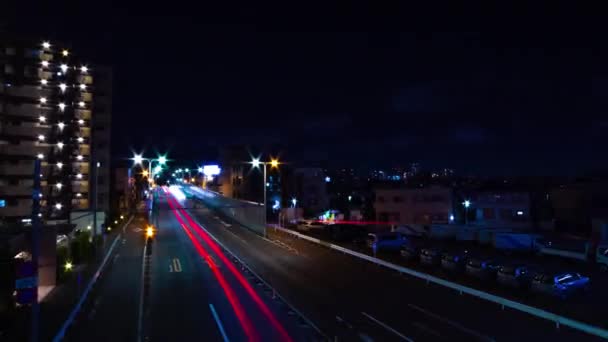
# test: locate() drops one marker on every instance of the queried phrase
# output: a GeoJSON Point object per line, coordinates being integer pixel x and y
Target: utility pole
{"type": "Point", "coordinates": [36, 226]}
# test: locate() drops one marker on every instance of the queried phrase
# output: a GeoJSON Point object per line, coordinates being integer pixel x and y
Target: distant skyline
{"type": "Point", "coordinates": [481, 88]}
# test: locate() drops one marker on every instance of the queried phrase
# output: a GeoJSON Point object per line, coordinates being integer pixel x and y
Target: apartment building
{"type": "Point", "coordinates": [46, 102]}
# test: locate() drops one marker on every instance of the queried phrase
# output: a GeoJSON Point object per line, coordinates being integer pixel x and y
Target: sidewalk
{"type": "Point", "coordinates": [58, 303]}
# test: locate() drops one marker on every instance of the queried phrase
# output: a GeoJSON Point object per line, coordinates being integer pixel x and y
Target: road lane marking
{"type": "Point", "coordinates": [140, 313]}
{"type": "Point", "coordinates": [387, 327]}
{"type": "Point", "coordinates": [426, 329]}
{"type": "Point", "coordinates": [451, 323]}
{"type": "Point", "coordinates": [218, 322]}
{"type": "Point", "coordinates": [177, 266]}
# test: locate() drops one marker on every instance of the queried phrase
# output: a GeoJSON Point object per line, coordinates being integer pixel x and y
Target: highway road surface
{"type": "Point", "coordinates": [352, 299]}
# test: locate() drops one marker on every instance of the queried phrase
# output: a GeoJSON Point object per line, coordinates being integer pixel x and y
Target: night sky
{"type": "Point", "coordinates": [480, 88]}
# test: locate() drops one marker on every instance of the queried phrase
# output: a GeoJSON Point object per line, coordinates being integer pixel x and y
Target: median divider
{"type": "Point", "coordinates": [557, 319]}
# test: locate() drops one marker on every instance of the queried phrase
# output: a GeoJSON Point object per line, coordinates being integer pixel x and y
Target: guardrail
{"type": "Point", "coordinates": [557, 319]}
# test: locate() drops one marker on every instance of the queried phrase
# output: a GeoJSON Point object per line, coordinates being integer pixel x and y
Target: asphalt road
{"type": "Point", "coordinates": [198, 292]}
{"type": "Point", "coordinates": [349, 298]}
{"type": "Point", "coordinates": [110, 312]}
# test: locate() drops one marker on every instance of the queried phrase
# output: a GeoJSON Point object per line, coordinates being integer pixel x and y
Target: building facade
{"type": "Point", "coordinates": [46, 112]}
{"type": "Point", "coordinates": [431, 205]}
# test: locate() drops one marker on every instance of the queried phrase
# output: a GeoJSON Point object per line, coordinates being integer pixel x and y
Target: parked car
{"type": "Point", "coordinates": [346, 232]}
{"type": "Point", "coordinates": [482, 267]}
{"type": "Point", "coordinates": [561, 285]}
{"type": "Point", "coordinates": [410, 250]}
{"type": "Point", "coordinates": [454, 260]}
{"type": "Point", "coordinates": [310, 225]}
{"type": "Point", "coordinates": [515, 275]}
{"type": "Point", "coordinates": [430, 256]}
{"type": "Point", "coordinates": [385, 241]}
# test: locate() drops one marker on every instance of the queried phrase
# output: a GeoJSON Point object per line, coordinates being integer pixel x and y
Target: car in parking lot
{"type": "Point", "coordinates": [515, 275]}
{"type": "Point", "coordinates": [430, 256]}
{"type": "Point", "coordinates": [310, 225]}
{"type": "Point", "coordinates": [345, 232]}
{"type": "Point", "coordinates": [385, 241]}
{"type": "Point", "coordinates": [454, 260]}
{"type": "Point", "coordinates": [410, 250]}
{"type": "Point", "coordinates": [482, 267]}
{"type": "Point", "coordinates": [562, 284]}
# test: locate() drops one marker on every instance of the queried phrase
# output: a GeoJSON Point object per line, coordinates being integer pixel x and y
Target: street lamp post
{"type": "Point", "coordinates": [139, 159]}
{"type": "Point", "coordinates": [466, 204]}
{"type": "Point", "coordinates": [256, 163]}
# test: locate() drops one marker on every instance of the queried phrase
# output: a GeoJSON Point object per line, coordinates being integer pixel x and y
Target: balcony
{"type": "Point", "coordinates": [84, 114]}
{"type": "Point", "coordinates": [80, 204]}
{"type": "Point", "coordinates": [80, 186]}
{"type": "Point", "coordinates": [24, 149]}
{"type": "Point", "coordinates": [85, 132]}
{"type": "Point", "coordinates": [16, 190]}
{"type": "Point", "coordinates": [24, 109]}
{"type": "Point", "coordinates": [86, 79]}
{"type": "Point", "coordinates": [44, 74]}
{"type": "Point", "coordinates": [46, 56]}
{"type": "Point", "coordinates": [86, 97]}
{"type": "Point", "coordinates": [21, 169]}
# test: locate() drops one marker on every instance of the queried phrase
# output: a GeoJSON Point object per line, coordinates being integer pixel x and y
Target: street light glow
{"type": "Point", "coordinates": [162, 160]}
{"type": "Point", "coordinates": [255, 162]}
{"type": "Point", "coordinates": [138, 159]}
{"type": "Point", "coordinates": [274, 163]}
{"type": "Point", "coordinates": [144, 173]}
{"type": "Point", "coordinates": [467, 203]}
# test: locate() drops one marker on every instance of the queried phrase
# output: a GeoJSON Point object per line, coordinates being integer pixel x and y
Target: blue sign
{"type": "Point", "coordinates": [26, 283]}
{"type": "Point", "coordinates": [2, 203]}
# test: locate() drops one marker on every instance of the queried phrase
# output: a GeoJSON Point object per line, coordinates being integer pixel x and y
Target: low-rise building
{"type": "Point", "coordinates": [430, 205]}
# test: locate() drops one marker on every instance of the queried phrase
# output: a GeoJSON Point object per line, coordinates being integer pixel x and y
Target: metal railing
{"type": "Point", "coordinates": [503, 302]}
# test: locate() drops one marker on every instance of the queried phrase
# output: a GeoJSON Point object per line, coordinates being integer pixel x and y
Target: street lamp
{"type": "Point", "coordinates": [161, 160]}
{"type": "Point", "coordinates": [255, 163]}
{"type": "Point", "coordinates": [466, 204]}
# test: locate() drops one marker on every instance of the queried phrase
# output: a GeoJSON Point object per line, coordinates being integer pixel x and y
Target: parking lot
{"type": "Point", "coordinates": [587, 306]}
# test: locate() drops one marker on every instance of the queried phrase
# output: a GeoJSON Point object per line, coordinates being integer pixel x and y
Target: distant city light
{"type": "Point", "coordinates": [58, 206]}
{"type": "Point", "coordinates": [327, 179]}
{"type": "Point", "coordinates": [80, 139]}
{"type": "Point", "coordinates": [65, 53]}
{"type": "Point", "coordinates": [44, 82]}
{"type": "Point", "coordinates": [62, 106]}
{"type": "Point", "coordinates": [63, 86]}
{"type": "Point", "coordinates": [40, 156]}
{"type": "Point", "coordinates": [60, 145]}
{"type": "Point", "coordinates": [467, 203]}
{"type": "Point", "coordinates": [61, 125]}
{"type": "Point", "coordinates": [211, 170]}
{"type": "Point", "coordinates": [64, 67]}
{"type": "Point", "coordinates": [79, 157]}
{"type": "Point", "coordinates": [79, 195]}
{"type": "Point", "coordinates": [43, 100]}
{"type": "Point", "coordinates": [42, 118]}
{"type": "Point", "coordinates": [83, 86]}
{"type": "Point", "coordinates": [81, 104]}
{"type": "Point", "coordinates": [59, 185]}
{"type": "Point", "coordinates": [520, 213]}
{"type": "Point", "coordinates": [274, 163]}
{"type": "Point", "coordinates": [84, 68]}
{"type": "Point", "coordinates": [79, 176]}
{"type": "Point", "coordinates": [81, 122]}
{"type": "Point", "coordinates": [45, 63]}
{"type": "Point", "coordinates": [46, 45]}
{"type": "Point", "coordinates": [162, 160]}
{"type": "Point", "coordinates": [68, 266]}
{"type": "Point", "coordinates": [451, 218]}
{"type": "Point", "coordinates": [255, 162]}
{"type": "Point", "coordinates": [60, 165]}
{"type": "Point", "coordinates": [41, 137]}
